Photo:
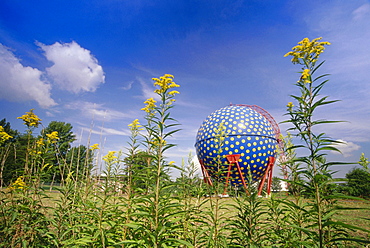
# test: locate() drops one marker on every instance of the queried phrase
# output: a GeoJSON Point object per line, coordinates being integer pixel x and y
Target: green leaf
{"type": "Point", "coordinates": [319, 77]}
{"type": "Point", "coordinates": [171, 132]}
{"type": "Point", "coordinates": [317, 67]}
{"type": "Point", "coordinates": [179, 241]}
{"type": "Point", "coordinates": [339, 223]}
{"type": "Point", "coordinates": [351, 239]}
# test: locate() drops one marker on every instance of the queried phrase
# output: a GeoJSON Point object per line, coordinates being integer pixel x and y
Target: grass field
{"type": "Point", "coordinates": [354, 212]}
{"type": "Point", "coordinates": [357, 212]}
{"type": "Point", "coordinates": [359, 217]}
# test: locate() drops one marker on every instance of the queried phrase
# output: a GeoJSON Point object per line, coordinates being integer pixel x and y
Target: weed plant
{"type": "Point", "coordinates": [318, 225]}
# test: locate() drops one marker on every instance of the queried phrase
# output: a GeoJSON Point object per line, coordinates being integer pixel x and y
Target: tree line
{"type": "Point", "coordinates": [58, 156]}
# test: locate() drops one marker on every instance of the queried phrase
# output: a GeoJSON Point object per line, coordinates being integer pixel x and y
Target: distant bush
{"type": "Point", "coordinates": [358, 183]}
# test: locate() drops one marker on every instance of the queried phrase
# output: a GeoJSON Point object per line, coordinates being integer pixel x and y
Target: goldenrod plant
{"type": "Point", "coordinates": [249, 227]}
{"type": "Point", "coordinates": [190, 190]}
{"type": "Point", "coordinates": [289, 166]}
{"type": "Point", "coordinates": [23, 217]}
{"type": "Point", "coordinates": [157, 216]}
{"type": "Point", "coordinates": [215, 214]}
{"type": "Point", "coordinates": [320, 227]}
{"type": "Point", "coordinates": [364, 162]}
{"type": "Point", "coordinates": [30, 119]}
{"type": "Point", "coordinates": [5, 147]}
{"type": "Point", "coordinates": [4, 136]}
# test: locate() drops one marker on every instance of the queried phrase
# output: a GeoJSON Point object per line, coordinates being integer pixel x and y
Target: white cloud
{"type": "Point", "coordinates": [105, 131]}
{"type": "Point", "coordinates": [147, 91]}
{"type": "Point", "coordinates": [112, 131]}
{"type": "Point", "coordinates": [128, 87]}
{"type": "Point", "coordinates": [347, 148]}
{"type": "Point", "coordinates": [96, 111]}
{"type": "Point", "coordinates": [75, 69]}
{"type": "Point", "coordinates": [22, 83]}
{"type": "Point", "coordinates": [361, 11]}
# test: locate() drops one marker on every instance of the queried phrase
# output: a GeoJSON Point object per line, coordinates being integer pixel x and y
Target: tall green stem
{"type": "Point", "coordinates": [307, 53]}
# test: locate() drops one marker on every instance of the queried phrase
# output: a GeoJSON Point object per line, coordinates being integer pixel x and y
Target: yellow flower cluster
{"type": "Point", "coordinates": [165, 82]}
{"type": "Point", "coordinates": [4, 136]}
{"type": "Point", "coordinates": [306, 76]}
{"type": "Point", "coordinates": [173, 92]}
{"type": "Point", "coordinates": [18, 184]}
{"type": "Point", "coordinates": [30, 119]}
{"type": "Point", "coordinates": [156, 143]}
{"type": "Point", "coordinates": [94, 147]}
{"type": "Point", "coordinates": [52, 137]}
{"type": "Point", "coordinates": [135, 125]}
{"type": "Point", "coordinates": [305, 73]}
{"type": "Point", "coordinates": [36, 150]}
{"type": "Point", "coordinates": [45, 166]}
{"type": "Point", "coordinates": [150, 105]}
{"type": "Point", "coordinates": [40, 142]}
{"type": "Point", "coordinates": [110, 156]}
{"type": "Point", "coordinates": [69, 177]}
{"type": "Point", "coordinates": [290, 105]}
{"type": "Point", "coordinates": [307, 50]}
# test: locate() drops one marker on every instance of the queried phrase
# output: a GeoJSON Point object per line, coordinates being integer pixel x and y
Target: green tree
{"type": "Point", "coordinates": [14, 163]}
{"type": "Point", "coordinates": [8, 137]}
{"type": "Point", "coordinates": [79, 160]}
{"type": "Point", "coordinates": [7, 128]}
{"type": "Point", "coordinates": [65, 135]}
{"type": "Point", "coordinates": [58, 150]}
{"type": "Point", "coordinates": [137, 166]}
{"type": "Point", "coordinates": [358, 183]}
{"type": "Point", "coordinates": [17, 160]}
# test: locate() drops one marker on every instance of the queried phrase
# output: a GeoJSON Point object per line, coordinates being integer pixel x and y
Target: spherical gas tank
{"type": "Point", "coordinates": [236, 129]}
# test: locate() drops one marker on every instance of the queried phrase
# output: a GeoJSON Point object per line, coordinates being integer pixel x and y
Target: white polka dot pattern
{"type": "Point", "coordinates": [236, 130]}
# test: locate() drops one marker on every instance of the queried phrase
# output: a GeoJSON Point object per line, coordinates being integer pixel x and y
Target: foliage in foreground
{"type": "Point", "coordinates": [136, 205]}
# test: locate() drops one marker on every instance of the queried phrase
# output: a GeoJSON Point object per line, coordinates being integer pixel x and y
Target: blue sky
{"type": "Point", "coordinates": [90, 63]}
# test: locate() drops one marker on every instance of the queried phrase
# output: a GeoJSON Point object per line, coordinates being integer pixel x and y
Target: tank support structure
{"type": "Point", "coordinates": [206, 177]}
{"type": "Point", "coordinates": [233, 161]}
{"type": "Point", "coordinates": [268, 175]}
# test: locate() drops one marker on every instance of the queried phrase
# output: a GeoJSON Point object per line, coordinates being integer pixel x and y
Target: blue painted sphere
{"type": "Point", "coordinates": [236, 129]}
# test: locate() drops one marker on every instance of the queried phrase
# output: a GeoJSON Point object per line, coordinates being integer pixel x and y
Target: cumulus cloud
{"type": "Point", "coordinates": [347, 148]}
{"type": "Point", "coordinates": [22, 83]}
{"type": "Point", "coordinates": [75, 69]}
